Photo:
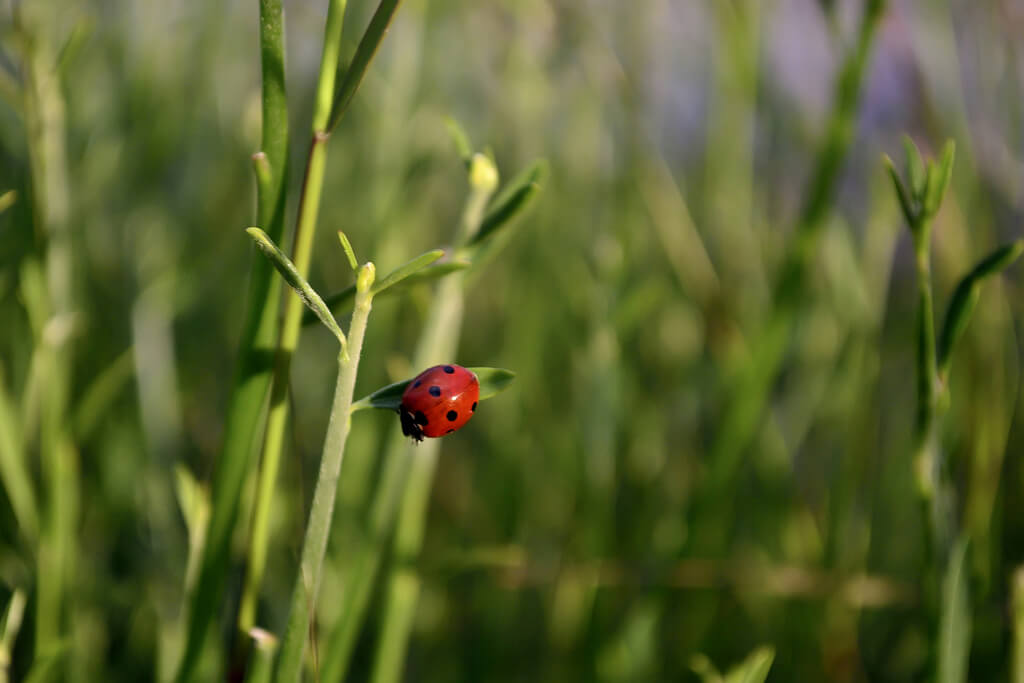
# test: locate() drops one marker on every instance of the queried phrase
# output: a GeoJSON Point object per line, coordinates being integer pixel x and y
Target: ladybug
{"type": "Point", "coordinates": [438, 401]}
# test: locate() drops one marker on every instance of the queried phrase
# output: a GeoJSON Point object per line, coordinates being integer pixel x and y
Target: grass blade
{"type": "Point", "coordinates": [512, 201]}
{"type": "Point", "coordinates": [298, 283]}
{"type": "Point", "coordinates": [407, 270]}
{"type": "Point", "coordinates": [965, 297]}
{"type": "Point", "coordinates": [251, 381]}
{"type": "Point", "coordinates": [14, 473]}
{"type": "Point", "coordinates": [753, 669]}
{"type": "Point", "coordinates": [365, 51]}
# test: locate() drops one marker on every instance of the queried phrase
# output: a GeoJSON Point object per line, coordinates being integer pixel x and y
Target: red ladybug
{"type": "Point", "coordinates": [438, 401]}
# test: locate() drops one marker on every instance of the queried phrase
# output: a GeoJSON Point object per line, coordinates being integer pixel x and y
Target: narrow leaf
{"type": "Point", "coordinates": [753, 669]}
{"type": "Point", "coordinates": [367, 47]}
{"type": "Point", "coordinates": [13, 615]}
{"type": "Point", "coordinates": [915, 168]}
{"type": "Point", "coordinates": [965, 296]}
{"type": "Point", "coordinates": [341, 302]}
{"type": "Point", "coordinates": [347, 246]}
{"type": "Point", "coordinates": [296, 281]}
{"type": "Point", "coordinates": [906, 204]}
{"type": "Point", "coordinates": [1017, 675]}
{"type": "Point", "coordinates": [406, 270]}
{"type": "Point", "coordinates": [102, 393]}
{"type": "Point", "coordinates": [15, 477]}
{"type": "Point", "coordinates": [492, 382]}
{"type": "Point", "coordinates": [7, 199]}
{"type": "Point", "coordinates": [955, 619]}
{"type": "Point", "coordinates": [942, 172]}
{"type": "Point", "coordinates": [512, 201]}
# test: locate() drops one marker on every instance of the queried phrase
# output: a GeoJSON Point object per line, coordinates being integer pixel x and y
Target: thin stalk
{"type": "Point", "coordinates": [926, 369]}
{"type": "Point", "coordinates": [277, 417]}
{"type": "Point", "coordinates": [307, 583]}
{"type": "Point", "coordinates": [1017, 593]}
{"type": "Point", "coordinates": [252, 375]}
{"type": "Point", "coordinates": [438, 344]}
{"type": "Point", "coordinates": [14, 473]}
{"type": "Point", "coordinates": [926, 455]}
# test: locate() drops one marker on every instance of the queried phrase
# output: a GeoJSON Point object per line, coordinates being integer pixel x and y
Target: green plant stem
{"type": "Point", "coordinates": [252, 375]}
{"type": "Point", "coordinates": [277, 416]}
{"type": "Point", "coordinates": [926, 369]}
{"type": "Point", "coordinates": [14, 474]}
{"type": "Point", "coordinates": [926, 452]}
{"type": "Point", "coordinates": [1017, 596]}
{"type": "Point", "coordinates": [307, 582]}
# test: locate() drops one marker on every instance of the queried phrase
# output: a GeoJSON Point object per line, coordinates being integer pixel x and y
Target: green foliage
{"type": "Point", "coordinates": [291, 275]}
{"type": "Point", "coordinates": [749, 407]}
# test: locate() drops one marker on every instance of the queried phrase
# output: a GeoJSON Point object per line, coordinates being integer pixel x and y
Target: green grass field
{"type": "Point", "coordinates": [753, 264]}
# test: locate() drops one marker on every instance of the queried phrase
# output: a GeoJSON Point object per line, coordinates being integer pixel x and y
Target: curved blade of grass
{"type": "Point", "coordinates": [753, 669]}
{"type": "Point", "coordinates": [297, 282]}
{"type": "Point", "coordinates": [349, 253]}
{"type": "Point", "coordinates": [367, 47]}
{"type": "Point", "coordinates": [14, 468]}
{"type": "Point", "coordinates": [7, 200]}
{"type": "Point", "coordinates": [492, 382]}
{"type": "Point", "coordinates": [102, 393]}
{"type": "Point", "coordinates": [965, 296]}
{"type": "Point", "coordinates": [906, 203]}
{"type": "Point", "coordinates": [512, 201]}
{"type": "Point", "coordinates": [341, 302]}
{"type": "Point", "coordinates": [13, 615]}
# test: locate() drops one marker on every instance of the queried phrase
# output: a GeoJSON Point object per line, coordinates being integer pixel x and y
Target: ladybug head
{"type": "Point", "coordinates": [410, 426]}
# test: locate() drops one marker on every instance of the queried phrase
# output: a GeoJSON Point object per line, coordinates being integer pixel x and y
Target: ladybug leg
{"type": "Point", "coordinates": [409, 425]}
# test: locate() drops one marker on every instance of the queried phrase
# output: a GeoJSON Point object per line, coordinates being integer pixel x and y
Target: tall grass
{"type": "Point", "coordinates": [758, 430]}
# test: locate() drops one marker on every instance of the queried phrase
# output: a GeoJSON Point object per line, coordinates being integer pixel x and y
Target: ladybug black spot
{"type": "Point", "coordinates": [449, 369]}
{"type": "Point", "coordinates": [449, 431]}
{"type": "Point", "coordinates": [472, 408]}
{"type": "Point", "coordinates": [421, 419]}
{"type": "Point", "coordinates": [435, 391]}
{"type": "Point", "coordinates": [452, 416]}
{"type": "Point", "coordinates": [417, 383]}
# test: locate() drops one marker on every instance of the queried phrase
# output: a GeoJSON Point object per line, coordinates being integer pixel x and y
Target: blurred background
{"type": "Point", "coordinates": [609, 517]}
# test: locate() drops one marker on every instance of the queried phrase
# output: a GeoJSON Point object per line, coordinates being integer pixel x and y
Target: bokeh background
{"type": "Point", "coordinates": [573, 531]}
